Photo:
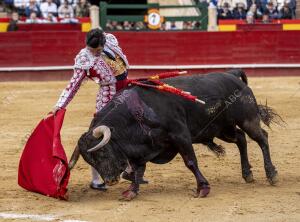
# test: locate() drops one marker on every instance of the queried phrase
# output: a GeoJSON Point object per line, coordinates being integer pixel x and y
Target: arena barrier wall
{"type": "Point", "coordinates": [275, 52]}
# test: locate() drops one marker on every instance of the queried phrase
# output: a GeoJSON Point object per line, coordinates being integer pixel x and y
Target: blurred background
{"type": "Point", "coordinates": [39, 38]}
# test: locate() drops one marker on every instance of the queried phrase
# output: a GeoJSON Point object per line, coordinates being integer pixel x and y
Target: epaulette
{"type": "Point", "coordinates": [84, 60]}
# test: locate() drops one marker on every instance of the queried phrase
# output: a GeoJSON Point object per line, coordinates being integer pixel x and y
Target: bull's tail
{"type": "Point", "coordinates": [239, 74]}
{"type": "Point", "coordinates": [268, 115]}
{"type": "Point", "coordinates": [219, 150]}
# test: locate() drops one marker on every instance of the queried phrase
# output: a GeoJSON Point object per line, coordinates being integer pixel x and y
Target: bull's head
{"type": "Point", "coordinates": [96, 149]}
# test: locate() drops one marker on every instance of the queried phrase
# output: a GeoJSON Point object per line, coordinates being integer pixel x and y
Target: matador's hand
{"type": "Point", "coordinates": [55, 109]}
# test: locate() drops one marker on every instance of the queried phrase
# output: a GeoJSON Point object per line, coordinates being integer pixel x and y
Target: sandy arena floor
{"type": "Point", "coordinates": [168, 197]}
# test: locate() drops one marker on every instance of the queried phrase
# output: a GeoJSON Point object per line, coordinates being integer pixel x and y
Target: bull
{"type": "Point", "coordinates": [143, 124]}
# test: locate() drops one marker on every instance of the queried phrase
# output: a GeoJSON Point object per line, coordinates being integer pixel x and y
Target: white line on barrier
{"type": "Point", "coordinates": [34, 217]}
{"type": "Point", "coordinates": [216, 66]}
{"type": "Point", "coordinates": [224, 66]}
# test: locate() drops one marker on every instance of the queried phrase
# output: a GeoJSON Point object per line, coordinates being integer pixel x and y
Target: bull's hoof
{"type": "Point", "coordinates": [128, 195]}
{"type": "Point", "coordinates": [204, 191]}
{"type": "Point", "coordinates": [249, 178]}
{"type": "Point", "coordinates": [274, 179]}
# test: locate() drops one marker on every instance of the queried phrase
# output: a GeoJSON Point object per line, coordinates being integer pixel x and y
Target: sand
{"type": "Point", "coordinates": [169, 196]}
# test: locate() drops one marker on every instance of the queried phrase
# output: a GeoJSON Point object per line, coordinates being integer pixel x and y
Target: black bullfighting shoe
{"type": "Point", "coordinates": [97, 186]}
{"type": "Point", "coordinates": [130, 177]}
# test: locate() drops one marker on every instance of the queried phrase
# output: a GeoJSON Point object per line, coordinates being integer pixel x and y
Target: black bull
{"type": "Point", "coordinates": [143, 124]}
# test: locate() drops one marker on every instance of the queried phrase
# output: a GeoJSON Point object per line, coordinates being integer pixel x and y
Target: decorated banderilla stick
{"type": "Point", "coordinates": [162, 75]}
{"type": "Point", "coordinates": [167, 88]}
{"type": "Point", "coordinates": [165, 75]}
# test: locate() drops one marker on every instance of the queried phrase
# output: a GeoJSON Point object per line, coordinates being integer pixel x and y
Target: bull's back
{"type": "Point", "coordinates": [222, 92]}
{"type": "Point", "coordinates": [212, 88]}
{"type": "Point", "coordinates": [214, 85]}
{"type": "Point", "coordinates": [215, 89]}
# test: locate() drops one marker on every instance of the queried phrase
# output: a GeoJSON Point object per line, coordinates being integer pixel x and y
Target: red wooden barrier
{"type": "Point", "coordinates": [259, 27]}
{"type": "Point", "coordinates": [58, 48]}
{"type": "Point", "coordinates": [49, 27]}
{"type": "Point", "coordinates": [39, 48]}
{"type": "Point", "coordinates": [192, 48]}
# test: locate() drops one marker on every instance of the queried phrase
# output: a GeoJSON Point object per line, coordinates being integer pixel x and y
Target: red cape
{"type": "Point", "coordinates": [43, 166]}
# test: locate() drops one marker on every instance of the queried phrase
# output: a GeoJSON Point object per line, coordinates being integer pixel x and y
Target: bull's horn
{"type": "Point", "coordinates": [97, 133]}
{"type": "Point", "coordinates": [74, 157]}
